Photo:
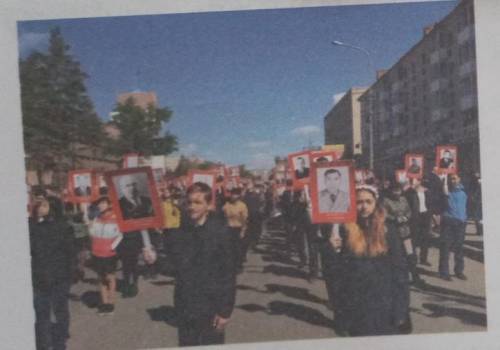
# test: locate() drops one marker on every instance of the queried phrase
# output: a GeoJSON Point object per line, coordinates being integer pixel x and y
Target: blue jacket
{"type": "Point", "coordinates": [457, 204]}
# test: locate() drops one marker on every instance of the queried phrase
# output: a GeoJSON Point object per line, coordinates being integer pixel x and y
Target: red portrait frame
{"type": "Point", "coordinates": [94, 190]}
{"type": "Point", "coordinates": [332, 217]}
{"type": "Point", "coordinates": [453, 170]}
{"type": "Point", "coordinates": [213, 173]}
{"type": "Point", "coordinates": [323, 153]}
{"type": "Point", "coordinates": [409, 156]}
{"type": "Point", "coordinates": [229, 171]}
{"type": "Point", "coordinates": [126, 157]}
{"type": "Point", "coordinates": [397, 175]}
{"type": "Point", "coordinates": [151, 222]}
{"type": "Point", "coordinates": [299, 183]}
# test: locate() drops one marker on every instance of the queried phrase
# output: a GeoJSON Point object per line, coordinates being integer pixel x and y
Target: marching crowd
{"type": "Point", "coordinates": [367, 265]}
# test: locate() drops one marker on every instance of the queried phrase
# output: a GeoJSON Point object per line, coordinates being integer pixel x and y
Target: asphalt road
{"type": "Point", "coordinates": [275, 301]}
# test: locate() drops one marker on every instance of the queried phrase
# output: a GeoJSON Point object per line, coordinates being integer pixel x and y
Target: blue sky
{"type": "Point", "coordinates": [244, 86]}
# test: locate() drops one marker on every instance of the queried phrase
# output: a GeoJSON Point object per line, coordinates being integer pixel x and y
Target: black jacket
{"type": "Point", "coordinates": [371, 294]}
{"type": "Point", "coordinates": [436, 198]}
{"type": "Point", "coordinates": [205, 270]}
{"type": "Point", "coordinates": [52, 253]}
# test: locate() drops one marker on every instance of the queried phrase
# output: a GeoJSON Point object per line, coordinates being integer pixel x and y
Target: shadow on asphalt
{"type": "Point", "coordinates": [163, 314]}
{"type": "Point", "coordinates": [444, 294]}
{"type": "Point", "coordinates": [289, 291]}
{"type": "Point", "coordinates": [295, 292]}
{"type": "Point", "coordinates": [292, 310]}
{"type": "Point", "coordinates": [285, 271]}
{"type": "Point", "coordinates": [465, 316]}
{"type": "Point", "coordinates": [91, 299]}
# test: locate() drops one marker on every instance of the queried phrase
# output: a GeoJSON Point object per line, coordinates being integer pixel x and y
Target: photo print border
{"type": "Point", "coordinates": [317, 216]}
{"type": "Point", "coordinates": [453, 170]}
{"type": "Point", "coordinates": [155, 221]}
{"type": "Point", "coordinates": [94, 190]}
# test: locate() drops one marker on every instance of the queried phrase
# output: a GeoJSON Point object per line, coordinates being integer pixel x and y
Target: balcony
{"type": "Point", "coordinates": [466, 68]}
{"type": "Point", "coordinates": [465, 34]}
{"type": "Point", "coordinates": [436, 115]}
{"type": "Point", "coordinates": [467, 102]}
{"type": "Point", "coordinates": [434, 58]}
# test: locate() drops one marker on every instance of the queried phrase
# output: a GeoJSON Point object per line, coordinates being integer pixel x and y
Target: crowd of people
{"type": "Point", "coordinates": [367, 265]}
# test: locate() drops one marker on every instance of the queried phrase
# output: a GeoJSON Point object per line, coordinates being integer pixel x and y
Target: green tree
{"type": "Point", "coordinates": [57, 111]}
{"type": "Point", "coordinates": [140, 130]}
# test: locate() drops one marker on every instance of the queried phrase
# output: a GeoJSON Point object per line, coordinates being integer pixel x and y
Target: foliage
{"type": "Point", "coordinates": [140, 129]}
{"type": "Point", "coordinates": [57, 111]}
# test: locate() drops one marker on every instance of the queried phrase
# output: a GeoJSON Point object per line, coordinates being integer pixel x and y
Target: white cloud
{"type": "Point", "coordinates": [306, 130]}
{"type": "Point", "coordinates": [261, 161]}
{"type": "Point", "coordinates": [188, 149]}
{"type": "Point", "coordinates": [337, 97]}
{"type": "Point", "coordinates": [33, 41]}
{"type": "Point", "coordinates": [259, 144]}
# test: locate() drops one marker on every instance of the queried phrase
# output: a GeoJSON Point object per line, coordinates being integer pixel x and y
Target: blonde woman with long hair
{"type": "Point", "coordinates": [366, 266]}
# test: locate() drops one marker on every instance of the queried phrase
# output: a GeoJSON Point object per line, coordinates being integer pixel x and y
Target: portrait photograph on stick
{"type": "Point", "coordinates": [332, 189]}
{"type": "Point", "coordinates": [134, 198]}
{"type": "Point", "coordinates": [324, 156]}
{"type": "Point", "coordinates": [82, 186]}
{"type": "Point", "coordinates": [447, 159]}
{"type": "Point", "coordinates": [299, 163]}
{"type": "Point", "coordinates": [414, 165]}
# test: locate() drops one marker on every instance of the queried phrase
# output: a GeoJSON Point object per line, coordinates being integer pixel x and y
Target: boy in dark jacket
{"type": "Point", "coordinates": [205, 271]}
{"type": "Point", "coordinates": [52, 263]}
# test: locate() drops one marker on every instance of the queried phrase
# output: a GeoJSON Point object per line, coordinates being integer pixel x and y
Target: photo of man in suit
{"type": "Point", "coordinates": [82, 185]}
{"type": "Point", "coordinates": [133, 204]}
{"type": "Point", "coordinates": [332, 198]}
{"type": "Point", "coordinates": [415, 167]}
{"type": "Point", "coordinates": [446, 161]}
{"type": "Point", "coordinates": [301, 168]}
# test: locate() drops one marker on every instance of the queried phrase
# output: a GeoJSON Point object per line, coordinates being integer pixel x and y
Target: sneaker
{"type": "Point", "coordinates": [445, 277]}
{"type": "Point", "coordinates": [461, 276]}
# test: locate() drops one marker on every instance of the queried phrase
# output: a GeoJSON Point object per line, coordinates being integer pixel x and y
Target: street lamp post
{"type": "Point", "coordinates": [370, 114]}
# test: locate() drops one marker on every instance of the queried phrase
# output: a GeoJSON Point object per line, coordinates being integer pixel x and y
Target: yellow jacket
{"type": "Point", "coordinates": [171, 215]}
{"type": "Point", "coordinates": [236, 214]}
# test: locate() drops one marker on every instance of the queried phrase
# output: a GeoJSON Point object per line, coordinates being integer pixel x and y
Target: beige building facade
{"type": "Point", "coordinates": [343, 123]}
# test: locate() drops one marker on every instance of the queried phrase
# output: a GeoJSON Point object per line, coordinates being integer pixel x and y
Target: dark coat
{"type": "Point", "coordinates": [435, 194]}
{"type": "Point", "coordinates": [205, 270]}
{"type": "Point", "coordinates": [371, 294]}
{"type": "Point", "coordinates": [52, 253]}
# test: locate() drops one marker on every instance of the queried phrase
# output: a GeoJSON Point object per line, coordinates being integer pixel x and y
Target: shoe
{"type": "Point", "coordinates": [445, 277]}
{"type": "Point", "coordinates": [461, 276]}
{"type": "Point", "coordinates": [106, 309]}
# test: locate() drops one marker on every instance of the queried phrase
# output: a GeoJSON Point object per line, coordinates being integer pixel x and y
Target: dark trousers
{"type": "Point", "coordinates": [238, 245]}
{"type": "Point", "coordinates": [53, 299]}
{"type": "Point", "coordinates": [254, 230]}
{"type": "Point", "coordinates": [313, 242]}
{"type": "Point", "coordinates": [452, 239]}
{"type": "Point", "coordinates": [130, 267]}
{"type": "Point", "coordinates": [422, 234]}
{"type": "Point", "coordinates": [199, 332]}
